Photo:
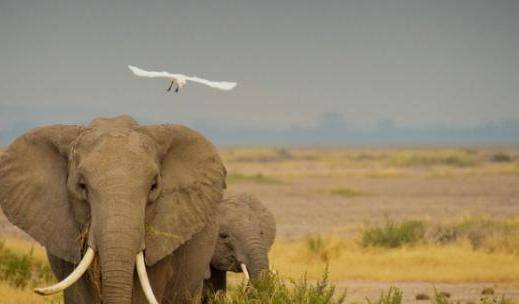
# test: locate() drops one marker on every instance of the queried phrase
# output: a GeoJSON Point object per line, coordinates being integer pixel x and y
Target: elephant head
{"type": "Point", "coordinates": [113, 189]}
{"type": "Point", "coordinates": [247, 231]}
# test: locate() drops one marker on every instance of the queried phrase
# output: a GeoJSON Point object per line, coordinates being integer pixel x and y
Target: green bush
{"type": "Point", "coordinates": [315, 243]}
{"type": "Point", "coordinates": [21, 270]}
{"type": "Point", "coordinates": [272, 290]}
{"type": "Point", "coordinates": [482, 233]}
{"type": "Point", "coordinates": [324, 249]}
{"type": "Point", "coordinates": [495, 300]}
{"type": "Point", "coordinates": [346, 192]}
{"type": "Point", "coordinates": [392, 296]}
{"type": "Point", "coordinates": [447, 157]}
{"type": "Point", "coordinates": [501, 158]}
{"type": "Point", "coordinates": [255, 178]}
{"type": "Point", "coordinates": [392, 235]}
{"type": "Point", "coordinates": [442, 298]}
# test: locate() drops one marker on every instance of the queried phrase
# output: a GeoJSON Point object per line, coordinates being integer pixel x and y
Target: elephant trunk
{"type": "Point", "coordinates": [117, 277]}
{"type": "Point", "coordinates": [257, 258]}
{"type": "Point", "coordinates": [119, 237]}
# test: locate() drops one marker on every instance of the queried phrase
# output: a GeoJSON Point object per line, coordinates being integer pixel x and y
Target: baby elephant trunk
{"type": "Point", "coordinates": [257, 258]}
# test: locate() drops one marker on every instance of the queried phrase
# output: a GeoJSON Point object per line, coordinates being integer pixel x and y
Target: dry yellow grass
{"type": "Point", "coordinates": [347, 261]}
{"type": "Point", "coordinates": [345, 192]}
{"type": "Point", "coordinates": [12, 295]}
{"type": "Point", "coordinates": [26, 246]}
{"type": "Point", "coordinates": [369, 163]}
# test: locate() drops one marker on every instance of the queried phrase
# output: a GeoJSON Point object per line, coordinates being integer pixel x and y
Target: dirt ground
{"type": "Point", "coordinates": [466, 292]}
{"type": "Point", "coordinates": [300, 207]}
{"type": "Point", "coordinates": [303, 203]}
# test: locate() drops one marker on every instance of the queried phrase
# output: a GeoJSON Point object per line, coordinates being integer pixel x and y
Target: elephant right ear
{"type": "Point", "coordinates": [193, 179]}
{"type": "Point", "coordinates": [33, 192]}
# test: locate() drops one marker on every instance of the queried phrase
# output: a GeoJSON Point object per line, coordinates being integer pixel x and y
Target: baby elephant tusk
{"type": "Point", "coordinates": [245, 271]}
{"type": "Point", "coordinates": [72, 278]}
{"type": "Point", "coordinates": [143, 278]}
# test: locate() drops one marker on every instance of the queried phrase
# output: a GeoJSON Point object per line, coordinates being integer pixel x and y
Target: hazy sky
{"type": "Point", "coordinates": [415, 62]}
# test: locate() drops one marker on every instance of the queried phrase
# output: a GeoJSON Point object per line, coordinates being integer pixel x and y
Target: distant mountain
{"type": "Point", "coordinates": [332, 129]}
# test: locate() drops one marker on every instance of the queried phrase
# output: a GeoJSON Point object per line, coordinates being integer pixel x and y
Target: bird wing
{"type": "Point", "coordinates": [221, 85]}
{"type": "Point", "coordinates": [152, 74]}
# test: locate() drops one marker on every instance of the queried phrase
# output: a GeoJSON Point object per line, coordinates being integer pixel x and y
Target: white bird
{"type": "Point", "coordinates": [180, 80]}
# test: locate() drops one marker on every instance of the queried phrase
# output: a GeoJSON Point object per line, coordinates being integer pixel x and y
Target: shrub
{"type": "Point", "coordinates": [323, 249]}
{"type": "Point", "coordinates": [346, 192]}
{"type": "Point", "coordinates": [488, 291]}
{"type": "Point", "coordinates": [447, 157]}
{"type": "Point", "coordinates": [440, 298]}
{"type": "Point", "coordinates": [272, 290]}
{"type": "Point", "coordinates": [501, 158]}
{"type": "Point", "coordinates": [422, 296]}
{"type": "Point", "coordinates": [392, 235]}
{"type": "Point", "coordinates": [443, 298]}
{"type": "Point", "coordinates": [481, 232]}
{"type": "Point", "coordinates": [21, 269]}
{"type": "Point", "coordinates": [495, 300]}
{"type": "Point", "coordinates": [14, 268]}
{"type": "Point", "coordinates": [255, 178]}
{"type": "Point", "coordinates": [392, 296]}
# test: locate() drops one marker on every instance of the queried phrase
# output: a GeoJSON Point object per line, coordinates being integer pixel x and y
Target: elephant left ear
{"type": "Point", "coordinates": [192, 181]}
{"type": "Point", "coordinates": [33, 189]}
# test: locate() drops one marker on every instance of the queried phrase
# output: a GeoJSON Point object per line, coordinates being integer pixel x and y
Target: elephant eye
{"type": "Point", "coordinates": [223, 235]}
{"type": "Point", "coordinates": [83, 189]}
{"type": "Point", "coordinates": [154, 189]}
{"type": "Point", "coordinates": [154, 184]}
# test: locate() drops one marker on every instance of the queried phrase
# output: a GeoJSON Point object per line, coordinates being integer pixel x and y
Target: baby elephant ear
{"type": "Point", "coordinates": [33, 192]}
{"type": "Point", "coordinates": [266, 219]}
{"type": "Point", "coordinates": [192, 180]}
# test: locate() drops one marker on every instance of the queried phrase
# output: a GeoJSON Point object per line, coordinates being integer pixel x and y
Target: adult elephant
{"type": "Point", "coordinates": [111, 196]}
{"type": "Point", "coordinates": [247, 231]}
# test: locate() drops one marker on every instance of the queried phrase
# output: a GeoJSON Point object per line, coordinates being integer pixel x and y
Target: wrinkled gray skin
{"type": "Point", "coordinates": [247, 231]}
{"type": "Point", "coordinates": [118, 188]}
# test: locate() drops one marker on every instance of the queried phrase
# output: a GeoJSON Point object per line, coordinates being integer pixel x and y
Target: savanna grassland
{"type": "Point", "coordinates": [419, 219]}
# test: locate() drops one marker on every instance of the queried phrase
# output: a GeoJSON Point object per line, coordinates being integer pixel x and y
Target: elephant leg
{"type": "Point", "coordinates": [216, 283]}
{"type": "Point", "coordinates": [170, 86]}
{"type": "Point", "coordinates": [188, 266]}
{"type": "Point", "coordinates": [218, 280]}
{"type": "Point", "coordinates": [80, 292]}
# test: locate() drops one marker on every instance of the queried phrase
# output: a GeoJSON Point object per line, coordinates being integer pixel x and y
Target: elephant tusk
{"type": "Point", "coordinates": [245, 271]}
{"type": "Point", "coordinates": [143, 278]}
{"type": "Point", "coordinates": [72, 277]}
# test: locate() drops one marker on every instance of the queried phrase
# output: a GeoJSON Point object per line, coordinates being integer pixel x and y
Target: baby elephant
{"type": "Point", "coordinates": [247, 231]}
